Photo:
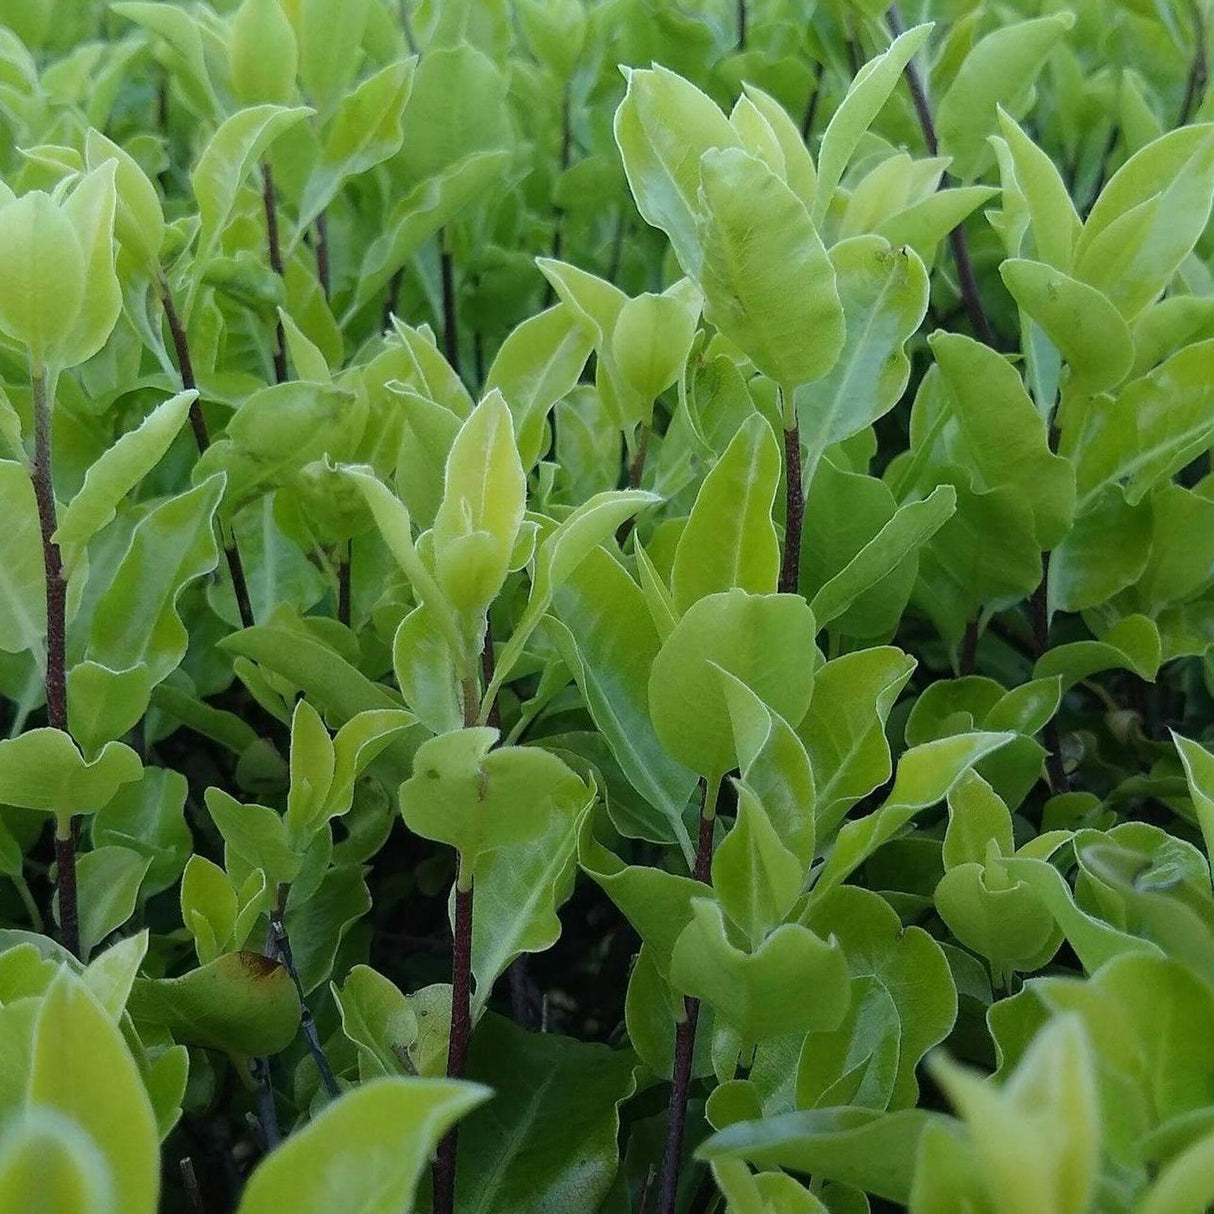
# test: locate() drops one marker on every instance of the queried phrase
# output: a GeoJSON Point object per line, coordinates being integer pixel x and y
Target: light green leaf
{"type": "Point", "coordinates": [768, 283]}
{"type": "Point", "coordinates": [83, 1069]}
{"type": "Point", "coordinates": [475, 798]}
{"type": "Point", "coordinates": [883, 291]}
{"type": "Point", "coordinates": [22, 574]}
{"type": "Point", "coordinates": [767, 641]}
{"type": "Point", "coordinates": [136, 618]}
{"type": "Point", "coordinates": [535, 366]}
{"type": "Point", "coordinates": [227, 160]}
{"type": "Point", "coordinates": [1088, 331]}
{"type": "Point", "coordinates": [119, 469]}
{"type": "Point", "coordinates": [482, 509]}
{"type": "Point", "coordinates": [999, 71]}
{"type": "Point", "coordinates": [912, 525]}
{"type": "Point", "coordinates": [364, 1153]}
{"type": "Point", "coordinates": [663, 127]}
{"type": "Point", "coordinates": [41, 769]}
{"type": "Point", "coordinates": [365, 131]}
{"type": "Point", "coordinates": [869, 91]}
{"type": "Point", "coordinates": [730, 540]}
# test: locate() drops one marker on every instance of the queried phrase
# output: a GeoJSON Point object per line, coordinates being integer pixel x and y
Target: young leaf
{"type": "Point", "coordinates": [768, 284]}
{"type": "Point", "coordinates": [730, 540]}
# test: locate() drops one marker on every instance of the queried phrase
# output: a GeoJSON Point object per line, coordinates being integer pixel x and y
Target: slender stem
{"type": "Point", "coordinates": [636, 471]}
{"type": "Point", "coordinates": [450, 313]}
{"type": "Point", "coordinates": [968, 661]}
{"type": "Point", "coordinates": [343, 586]}
{"type": "Point", "coordinates": [202, 439]}
{"type": "Point", "coordinates": [558, 213]}
{"type": "Point", "coordinates": [741, 25]}
{"type": "Point", "coordinates": [966, 280]}
{"type": "Point", "coordinates": [811, 105]}
{"type": "Point", "coordinates": [794, 518]}
{"type": "Point", "coordinates": [461, 1035]}
{"type": "Point", "coordinates": [280, 950]}
{"type": "Point", "coordinates": [189, 1178]}
{"type": "Point", "coordinates": [65, 866]}
{"type": "Point", "coordinates": [322, 253]}
{"type": "Point", "coordinates": [56, 648]}
{"type": "Point", "coordinates": [685, 1032]}
{"type": "Point", "coordinates": [27, 901]}
{"type": "Point", "coordinates": [1039, 609]}
{"type": "Point", "coordinates": [270, 205]}
{"type": "Point", "coordinates": [267, 1114]}
{"type": "Point", "coordinates": [1199, 70]}
{"type": "Point", "coordinates": [392, 298]}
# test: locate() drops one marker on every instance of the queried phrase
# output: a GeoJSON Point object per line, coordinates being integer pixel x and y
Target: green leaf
{"type": "Point", "coordinates": [518, 890]}
{"type": "Point", "coordinates": [138, 219]}
{"type": "Point", "coordinates": [912, 525]}
{"type": "Point", "coordinates": [758, 994]}
{"type": "Point", "coordinates": [83, 1069]}
{"type": "Point", "coordinates": [43, 273]}
{"type": "Point", "coordinates": [242, 1002]}
{"type": "Point", "coordinates": [365, 131]}
{"type": "Point", "coordinates": [1148, 218]}
{"type": "Point", "coordinates": [730, 540]}
{"type": "Point", "coordinates": [906, 964]}
{"type": "Point", "coordinates": [844, 730]}
{"type": "Point", "coordinates": [42, 769]}
{"type": "Point", "coordinates": [390, 1125]}
{"type": "Point", "coordinates": [925, 775]}
{"type": "Point", "coordinates": [136, 618]}
{"type": "Point", "coordinates": [999, 71]}
{"type": "Point", "coordinates": [883, 291]}
{"type": "Point", "coordinates": [1036, 1140]}
{"type": "Point", "coordinates": [257, 835]}
{"type": "Point", "coordinates": [869, 91]}
{"type": "Point", "coordinates": [475, 798]}
{"type": "Point", "coordinates": [378, 1019]}
{"type": "Point", "coordinates": [663, 127]}
{"type": "Point", "coordinates": [1154, 426]}
{"type": "Point", "coordinates": [457, 107]}
{"type": "Point", "coordinates": [550, 1133]}
{"type": "Point", "coordinates": [330, 47]}
{"type": "Point", "coordinates": [311, 762]}
{"type": "Point", "coordinates": [121, 467]}
{"type": "Point", "coordinates": [768, 283]}
{"type": "Point", "coordinates": [108, 881]}
{"type": "Point", "coordinates": [609, 642]}
{"type": "Point", "coordinates": [872, 1150]}
{"type": "Point", "coordinates": [1091, 336]}
{"type": "Point", "coordinates": [262, 53]}
{"type": "Point", "coordinates": [1055, 224]}
{"type": "Point", "coordinates": [482, 509]}
{"type": "Point", "coordinates": [228, 159]}
{"type": "Point", "coordinates": [49, 1164]}
{"type": "Point", "coordinates": [148, 817]}
{"type": "Point", "coordinates": [90, 209]}
{"type": "Point", "coordinates": [767, 641]}
{"type": "Point", "coordinates": [1001, 436]}
{"type": "Point", "coordinates": [22, 574]}
{"type": "Point", "coordinates": [1199, 772]}
{"type": "Point", "coordinates": [539, 363]}
{"type": "Point", "coordinates": [756, 877]}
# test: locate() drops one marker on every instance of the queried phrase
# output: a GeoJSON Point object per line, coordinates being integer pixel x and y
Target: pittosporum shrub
{"type": "Point", "coordinates": [606, 607]}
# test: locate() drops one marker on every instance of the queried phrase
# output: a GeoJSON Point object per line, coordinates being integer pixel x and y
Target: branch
{"type": "Point", "coordinates": [202, 439]}
{"type": "Point", "coordinates": [685, 1033]}
{"type": "Point", "coordinates": [966, 280]}
{"type": "Point", "coordinates": [270, 205]}
{"type": "Point", "coordinates": [56, 649]}
{"type": "Point", "coordinates": [1199, 70]}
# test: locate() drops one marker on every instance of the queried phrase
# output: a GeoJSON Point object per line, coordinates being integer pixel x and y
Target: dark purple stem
{"type": "Point", "coordinates": [794, 517]}
{"type": "Point", "coordinates": [270, 205]}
